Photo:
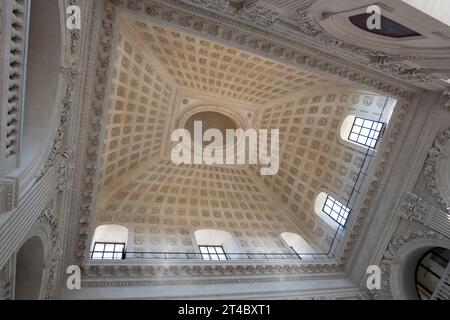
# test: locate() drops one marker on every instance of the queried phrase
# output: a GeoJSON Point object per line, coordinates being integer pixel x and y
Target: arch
{"type": "Point", "coordinates": [430, 270]}
{"type": "Point", "coordinates": [297, 243]}
{"type": "Point", "coordinates": [402, 275]}
{"type": "Point", "coordinates": [214, 237]}
{"type": "Point", "coordinates": [30, 269]}
{"type": "Point", "coordinates": [42, 76]}
{"type": "Point", "coordinates": [109, 242]}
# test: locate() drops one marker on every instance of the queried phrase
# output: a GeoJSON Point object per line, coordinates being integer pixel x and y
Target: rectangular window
{"type": "Point", "coordinates": [366, 132]}
{"type": "Point", "coordinates": [213, 253]}
{"type": "Point", "coordinates": [108, 251]}
{"type": "Point", "coordinates": [336, 210]}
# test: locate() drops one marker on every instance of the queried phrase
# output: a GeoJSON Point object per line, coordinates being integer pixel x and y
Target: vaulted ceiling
{"type": "Point", "coordinates": [141, 188]}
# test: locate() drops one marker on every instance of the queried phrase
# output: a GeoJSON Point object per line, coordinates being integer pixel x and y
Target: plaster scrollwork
{"type": "Point", "coordinates": [222, 5]}
{"type": "Point", "coordinates": [391, 258]}
{"type": "Point", "coordinates": [59, 138]}
{"type": "Point", "coordinates": [412, 208]}
{"type": "Point", "coordinates": [258, 14]}
{"type": "Point", "coordinates": [377, 59]}
{"type": "Point", "coordinates": [65, 171]}
{"type": "Point", "coordinates": [70, 75]}
{"type": "Point", "coordinates": [54, 257]}
{"type": "Point", "coordinates": [435, 155]}
{"type": "Point", "coordinates": [74, 33]}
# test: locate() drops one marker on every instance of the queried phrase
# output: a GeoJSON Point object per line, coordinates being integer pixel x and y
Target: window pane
{"type": "Point", "coordinates": [336, 210]}
{"type": "Point", "coordinates": [97, 255]}
{"type": "Point", "coordinates": [370, 129]}
{"type": "Point", "coordinates": [215, 253]}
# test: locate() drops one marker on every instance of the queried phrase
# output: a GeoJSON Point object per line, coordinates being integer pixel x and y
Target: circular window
{"type": "Point", "coordinates": [430, 271]}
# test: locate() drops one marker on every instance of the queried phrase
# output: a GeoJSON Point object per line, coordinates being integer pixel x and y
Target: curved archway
{"type": "Point", "coordinates": [42, 77]}
{"type": "Point", "coordinates": [402, 277]}
{"type": "Point", "coordinates": [29, 270]}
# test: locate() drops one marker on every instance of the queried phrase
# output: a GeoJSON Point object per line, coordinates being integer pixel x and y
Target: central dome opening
{"type": "Point", "coordinates": [210, 120]}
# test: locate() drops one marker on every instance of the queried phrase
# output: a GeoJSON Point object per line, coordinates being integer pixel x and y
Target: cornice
{"type": "Point", "coordinates": [174, 273]}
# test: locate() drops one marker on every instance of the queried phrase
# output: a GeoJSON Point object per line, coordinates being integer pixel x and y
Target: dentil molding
{"type": "Point", "coordinates": [9, 194]}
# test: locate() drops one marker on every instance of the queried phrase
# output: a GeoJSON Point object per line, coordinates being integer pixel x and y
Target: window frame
{"type": "Point", "coordinates": [215, 253]}
{"type": "Point", "coordinates": [370, 135]}
{"type": "Point", "coordinates": [342, 208]}
{"type": "Point", "coordinates": [114, 252]}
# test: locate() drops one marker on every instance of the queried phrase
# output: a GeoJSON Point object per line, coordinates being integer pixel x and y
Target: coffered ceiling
{"type": "Point", "coordinates": [208, 66]}
{"type": "Point", "coordinates": [160, 75]}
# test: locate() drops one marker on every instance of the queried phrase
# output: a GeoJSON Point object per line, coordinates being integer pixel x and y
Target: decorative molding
{"type": "Point", "coordinates": [54, 256]}
{"type": "Point", "coordinates": [391, 258]}
{"type": "Point", "coordinates": [258, 14]}
{"type": "Point", "coordinates": [74, 33]}
{"type": "Point", "coordinates": [412, 208]}
{"type": "Point", "coordinates": [447, 94]}
{"type": "Point", "coordinates": [65, 171]}
{"type": "Point", "coordinates": [222, 5]}
{"type": "Point", "coordinates": [434, 156]}
{"type": "Point", "coordinates": [9, 194]}
{"type": "Point", "coordinates": [195, 273]}
{"type": "Point", "coordinates": [7, 279]}
{"type": "Point", "coordinates": [58, 141]}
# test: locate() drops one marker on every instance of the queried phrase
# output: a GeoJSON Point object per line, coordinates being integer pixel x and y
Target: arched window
{"type": "Point", "coordinates": [109, 242]}
{"type": "Point", "coordinates": [333, 212]}
{"type": "Point", "coordinates": [363, 132]}
{"type": "Point", "coordinates": [431, 274]}
{"type": "Point", "coordinates": [298, 244]}
{"type": "Point", "coordinates": [216, 244]}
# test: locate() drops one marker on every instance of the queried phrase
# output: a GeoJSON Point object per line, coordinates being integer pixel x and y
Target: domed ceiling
{"type": "Point", "coordinates": [155, 69]}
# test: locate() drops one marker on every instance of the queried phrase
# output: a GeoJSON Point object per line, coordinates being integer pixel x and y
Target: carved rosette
{"type": "Point", "coordinates": [391, 258]}
{"type": "Point", "coordinates": [434, 156]}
